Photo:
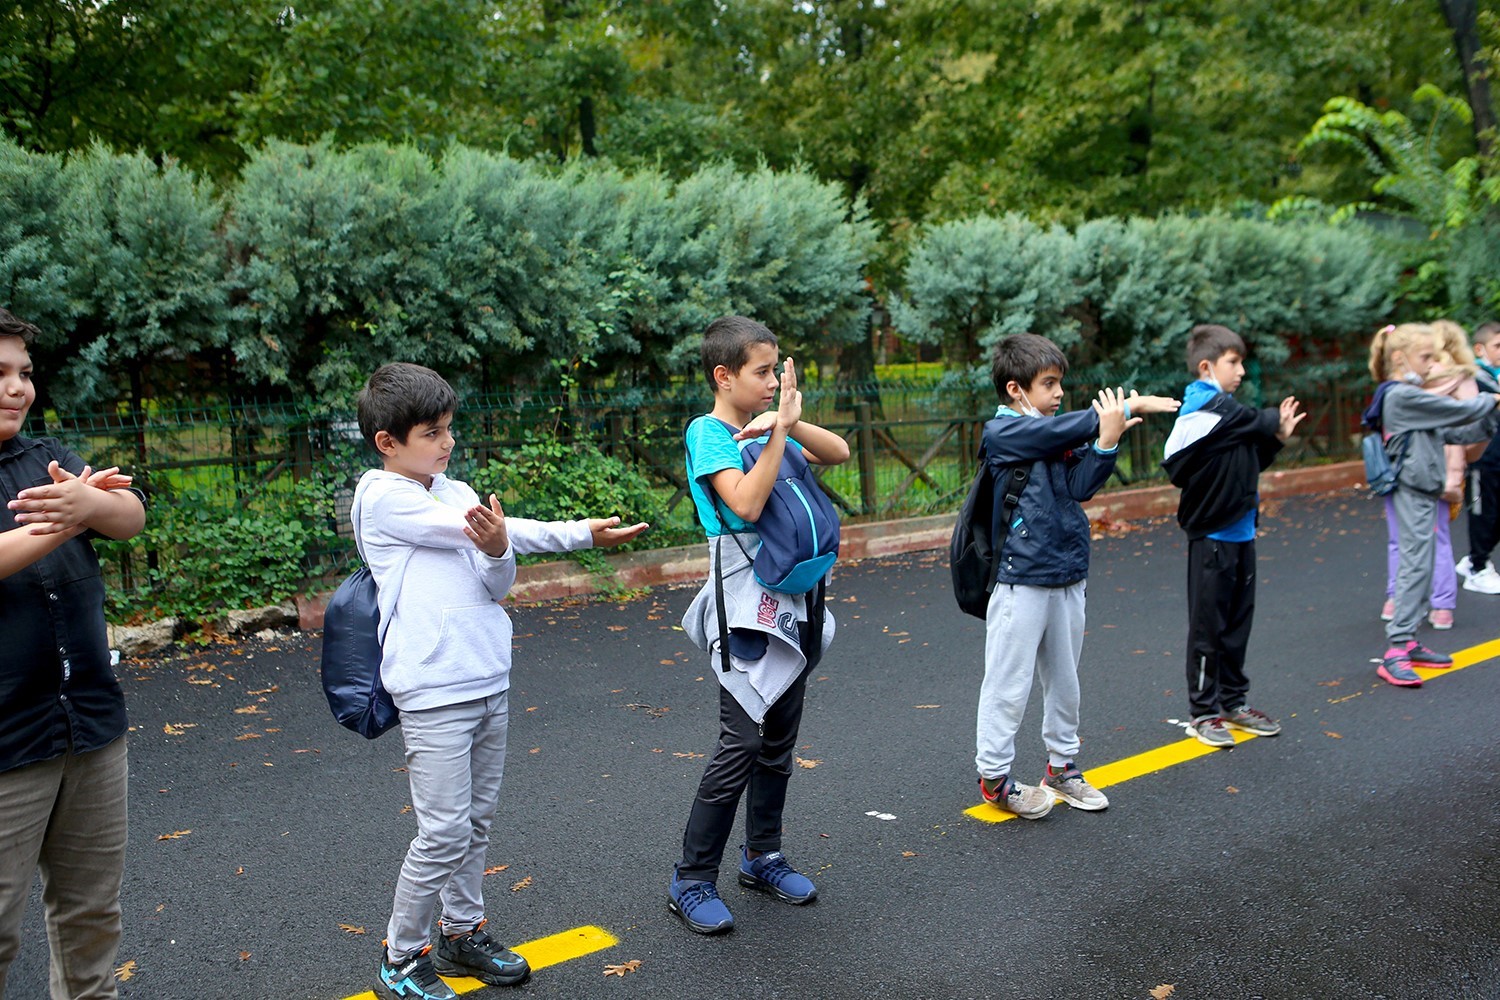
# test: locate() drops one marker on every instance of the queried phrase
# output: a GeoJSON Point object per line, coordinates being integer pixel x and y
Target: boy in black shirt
{"type": "Point", "coordinates": [1215, 454]}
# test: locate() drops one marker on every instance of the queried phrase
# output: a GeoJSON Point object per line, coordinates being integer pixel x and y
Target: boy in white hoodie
{"type": "Point", "coordinates": [442, 560]}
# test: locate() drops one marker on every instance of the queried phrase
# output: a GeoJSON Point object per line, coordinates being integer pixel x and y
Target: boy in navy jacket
{"type": "Point", "coordinates": [1215, 454]}
{"type": "Point", "coordinates": [1034, 624]}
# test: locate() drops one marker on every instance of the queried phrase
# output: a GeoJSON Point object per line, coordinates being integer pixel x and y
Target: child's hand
{"type": "Point", "coordinates": [485, 527]}
{"type": "Point", "coordinates": [607, 534]}
{"type": "Point", "coordinates": [107, 479]}
{"type": "Point", "coordinates": [790, 409]}
{"type": "Point", "coordinates": [68, 503]}
{"type": "Point", "coordinates": [1152, 404]}
{"type": "Point", "coordinates": [761, 423]}
{"type": "Point", "coordinates": [1112, 423]}
{"type": "Point", "coordinates": [1290, 418]}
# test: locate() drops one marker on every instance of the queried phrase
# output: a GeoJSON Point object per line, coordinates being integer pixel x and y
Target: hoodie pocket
{"type": "Point", "coordinates": [473, 643]}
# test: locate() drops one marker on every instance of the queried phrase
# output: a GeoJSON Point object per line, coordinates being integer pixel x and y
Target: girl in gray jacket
{"type": "Point", "coordinates": [1416, 425]}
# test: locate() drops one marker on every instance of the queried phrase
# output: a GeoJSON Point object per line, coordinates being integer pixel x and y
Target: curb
{"type": "Point", "coordinates": [689, 564]}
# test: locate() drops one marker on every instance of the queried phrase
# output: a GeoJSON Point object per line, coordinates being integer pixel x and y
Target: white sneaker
{"type": "Point", "coordinates": [1486, 581]}
{"type": "Point", "coordinates": [1463, 567]}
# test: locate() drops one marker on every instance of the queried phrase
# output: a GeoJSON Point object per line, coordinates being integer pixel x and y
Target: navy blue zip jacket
{"type": "Point", "coordinates": [1048, 543]}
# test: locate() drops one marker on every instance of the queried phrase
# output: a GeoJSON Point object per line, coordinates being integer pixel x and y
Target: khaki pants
{"type": "Point", "coordinates": [66, 818]}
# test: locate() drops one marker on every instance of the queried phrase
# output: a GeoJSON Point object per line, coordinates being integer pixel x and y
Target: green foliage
{"type": "Point", "coordinates": [551, 480]}
{"type": "Point", "coordinates": [1127, 291]}
{"type": "Point", "coordinates": [204, 555]}
{"type": "Point", "coordinates": [973, 282]}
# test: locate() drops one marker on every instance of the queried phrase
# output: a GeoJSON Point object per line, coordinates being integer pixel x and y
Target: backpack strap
{"type": "Point", "coordinates": [1013, 485]}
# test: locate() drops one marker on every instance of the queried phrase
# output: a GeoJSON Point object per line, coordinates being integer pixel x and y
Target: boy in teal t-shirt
{"type": "Point", "coordinates": [774, 638]}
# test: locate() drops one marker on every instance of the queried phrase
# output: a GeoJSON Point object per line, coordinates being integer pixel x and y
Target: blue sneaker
{"type": "Point", "coordinates": [770, 873]}
{"type": "Point", "coordinates": [697, 902]}
{"type": "Point", "coordinates": [477, 954]}
{"type": "Point", "coordinates": [413, 979]}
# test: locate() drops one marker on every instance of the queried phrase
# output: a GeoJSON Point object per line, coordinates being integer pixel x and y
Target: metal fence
{"type": "Point", "coordinates": [913, 445]}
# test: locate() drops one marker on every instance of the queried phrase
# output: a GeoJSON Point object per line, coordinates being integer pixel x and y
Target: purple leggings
{"type": "Point", "coordinates": [1444, 579]}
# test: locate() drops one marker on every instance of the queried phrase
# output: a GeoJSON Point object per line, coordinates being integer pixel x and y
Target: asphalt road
{"type": "Point", "coordinates": [1353, 856]}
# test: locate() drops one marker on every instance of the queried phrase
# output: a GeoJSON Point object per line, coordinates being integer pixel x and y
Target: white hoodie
{"type": "Point", "coordinates": [446, 639]}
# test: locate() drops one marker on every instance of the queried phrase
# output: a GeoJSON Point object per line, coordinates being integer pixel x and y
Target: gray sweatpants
{"type": "Point", "coordinates": [455, 758]}
{"type": "Point", "coordinates": [1415, 515]}
{"type": "Point", "coordinates": [1030, 632]}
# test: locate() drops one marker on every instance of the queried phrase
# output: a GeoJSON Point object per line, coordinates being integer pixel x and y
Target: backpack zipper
{"type": "Point", "coordinates": [812, 521]}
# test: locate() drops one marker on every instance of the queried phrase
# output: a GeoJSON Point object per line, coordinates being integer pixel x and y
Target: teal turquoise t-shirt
{"type": "Point", "coordinates": [711, 448]}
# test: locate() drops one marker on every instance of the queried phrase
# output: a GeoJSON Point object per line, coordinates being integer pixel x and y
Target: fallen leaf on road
{"type": "Point", "coordinates": [809, 764]}
{"type": "Point", "coordinates": [178, 728]}
{"type": "Point", "coordinates": [535, 750]}
{"type": "Point", "coordinates": [199, 680]}
{"type": "Point", "coordinates": [270, 690]}
{"type": "Point", "coordinates": [669, 663]}
{"type": "Point", "coordinates": [689, 756]}
{"type": "Point", "coordinates": [497, 869]}
{"type": "Point", "coordinates": [1231, 790]}
{"type": "Point", "coordinates": [406, 809]}
{"type": "Point", "coordinates": [125, 971]}
{"type": "Point", "coordinates": [525, 883]}
{"type": "Point", "coordinates": [622, 968]}
{"type": "Point", "coordinates": [244, 955]}
{"type": "Point", "coordinates": [1163, 991]}
{"type": "Point", "coordinates": [617, 628]}
{"type": "Point", "coordinates": [250, 710]}
{"type": "Point", "coordinates": [351, 929]}
{"type": "Point", "coordinates": [908, 854]}
{"type": "Point", "coordinates": [174, 835]}
{"type": "Point", "coordinates": [1332, 735]}
{"type": "Point", "coordinates": [248, 736]}
{"type": "Point", "coordinates": [1330, 684]}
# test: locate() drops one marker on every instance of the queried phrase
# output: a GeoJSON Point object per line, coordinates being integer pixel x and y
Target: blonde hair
{"type": "Point", "coordinates": [1455, 357]}
{"type": "Point", "coordinates": [1391, 339]}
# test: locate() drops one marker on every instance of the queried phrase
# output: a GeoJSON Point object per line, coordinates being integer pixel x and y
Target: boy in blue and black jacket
{"type": "Point", "coordinates": [1034, 623]}
{"type": "Point", "coordinates": [1215, 454]}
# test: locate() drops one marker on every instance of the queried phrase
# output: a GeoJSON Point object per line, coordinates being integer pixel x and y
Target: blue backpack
{"type": "Point", "coordinates": [351, 657]}
{"type": "Point", "coordinates": [1383, 458]}
{"type": "Point", "coordinates": [798, 527]}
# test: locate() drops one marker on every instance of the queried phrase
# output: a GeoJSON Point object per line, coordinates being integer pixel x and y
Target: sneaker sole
{"type": "Point", "coordinates": [761, 885]}
{"type": "Point", "coordinates": [693, 925]}
{"type": "Point", "coordinates": [1478, 590]}
{"type": "Point", "coordinates": [1440, 628]}
{"type": "Point", "coordinates": [1060, 796]}
{"type": "Point", "coordinates": [1214, 743]}
{"type": "Point", "coordinates": [446, 968]}
{"type": "Point", "coordinates": [1389, 678]}
{"type": "Point", "coordinates": [1432, 666]}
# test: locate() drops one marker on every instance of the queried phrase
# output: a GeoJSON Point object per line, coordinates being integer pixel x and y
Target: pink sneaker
{"type": "Point", "coordinates": [1441, 619]}
{"type": "Point", "coordinates": [1388, 610]}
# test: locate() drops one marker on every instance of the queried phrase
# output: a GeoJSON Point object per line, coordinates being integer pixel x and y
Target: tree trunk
{"type": "Point", "coordinates": [1462, 17]}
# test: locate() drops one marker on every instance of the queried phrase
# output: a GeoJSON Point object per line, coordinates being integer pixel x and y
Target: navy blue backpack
{"type": "Point", "coordinates": [798, 527]}
{"type": "Point", "coordinates": [351, 656]}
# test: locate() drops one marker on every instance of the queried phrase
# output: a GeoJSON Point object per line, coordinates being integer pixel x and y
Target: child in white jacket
{"type": "Point", "coordinates": [442, 560]}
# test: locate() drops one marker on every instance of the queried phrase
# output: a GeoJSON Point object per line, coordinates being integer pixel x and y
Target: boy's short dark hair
{"type": "Point", "coordinates": [399, 396]}
{"type": "Point", "coordinates": [1210, 342]}
{"type": "Point", "coordinates": [727, 342]}
{"type": "Point", "coordinates": [1020, 358]}
{"type": "Point", "coordinates": [11, 326]}
{"type": "Point", "coordinates": [1484, 331]}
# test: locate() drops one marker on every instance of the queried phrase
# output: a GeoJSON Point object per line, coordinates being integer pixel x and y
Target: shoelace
{"type": "Point", "coordinates": [695, 895]}
{"type": "Point", "coordinates": [420, 972]}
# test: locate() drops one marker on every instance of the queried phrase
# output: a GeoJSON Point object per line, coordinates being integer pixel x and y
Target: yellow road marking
{"type": "Point", "coordinates": [551, 950]}
{"type": "Point", "coordinates": [1190, 749]}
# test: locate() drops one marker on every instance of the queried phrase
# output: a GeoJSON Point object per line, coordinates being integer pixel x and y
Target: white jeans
{"type": "Point", "coordinates": [455, 758]}
{"type": "Point", "coordinates": [1030, 631]}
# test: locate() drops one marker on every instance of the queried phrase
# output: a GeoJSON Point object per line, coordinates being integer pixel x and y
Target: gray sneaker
{"type": "Point", "coordinates": [1025, 801]}
{"type": "Point", "coordinates": [1209, 729]}
{"type": "Point", "coordinates": [1250, 720]}
{"type": "Point", "coordinates": [1069, 786]}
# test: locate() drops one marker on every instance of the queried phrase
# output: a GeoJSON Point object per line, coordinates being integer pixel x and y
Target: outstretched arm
{"type": "Point", "coordinates": [19, 549]}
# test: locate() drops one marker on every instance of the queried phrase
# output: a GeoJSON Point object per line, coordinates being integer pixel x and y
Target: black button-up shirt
{"type": "Point", "coordinates": [56, 686]}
